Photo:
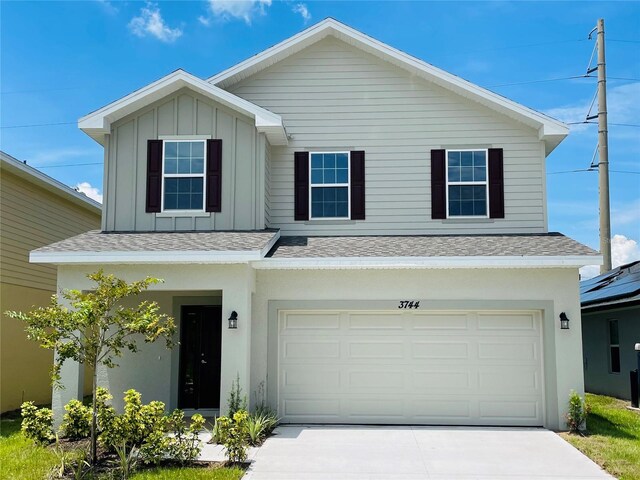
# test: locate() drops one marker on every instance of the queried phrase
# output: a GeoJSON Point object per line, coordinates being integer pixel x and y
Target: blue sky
{"type": "Point", "coordinates": [61, 60]}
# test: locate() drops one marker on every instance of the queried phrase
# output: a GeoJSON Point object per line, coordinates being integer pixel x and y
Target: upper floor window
{"type": "Point", "coordinates": [467, 186]}
{"type": "Point", "coordinates": [614, 347]}
{"type": "Point", "coordinates": [183, 175]}
{"type": "Point", "coordinates": [329, 185]}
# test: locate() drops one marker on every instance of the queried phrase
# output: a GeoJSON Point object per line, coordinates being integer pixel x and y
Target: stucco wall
{"type": "Point", "coordinates": [595, 337]}
{"type": "Point", "coordinates": [334, 97]}
{"type": "Point", "coordinates": [252, 294]}
{"type": "Point", "coordinates": [447, 289]}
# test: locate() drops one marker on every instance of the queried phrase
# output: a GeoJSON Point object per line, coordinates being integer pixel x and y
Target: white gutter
{"type": "Point", "coordinates": [428, 262]}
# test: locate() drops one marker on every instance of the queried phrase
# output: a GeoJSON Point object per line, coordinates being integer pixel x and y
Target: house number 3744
{"type": "Point", "coordinates": [408, 304]}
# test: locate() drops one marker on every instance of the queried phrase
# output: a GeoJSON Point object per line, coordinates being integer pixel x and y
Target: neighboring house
{"type": "Point", "coordinates": [35, 210]}
{"type": "Point", "coordinates": [610, 329]}
{"type": "Point", "coordinates": [376, 226]}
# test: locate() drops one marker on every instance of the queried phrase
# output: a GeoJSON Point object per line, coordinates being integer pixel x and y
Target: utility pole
{"type": "Point", "coordinates": [603, 147]}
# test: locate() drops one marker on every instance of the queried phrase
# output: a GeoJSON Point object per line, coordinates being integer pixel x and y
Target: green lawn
{"type": "Point", "coordinates": [20, 459]}
{"type": "Point", "coordinates": [613, 438]}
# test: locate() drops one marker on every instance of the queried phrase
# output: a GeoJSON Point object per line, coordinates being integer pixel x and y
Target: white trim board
{"type": "Point", "coordinates": [98, 124]}
{"type": "Point", "coordinates": [550, 130]}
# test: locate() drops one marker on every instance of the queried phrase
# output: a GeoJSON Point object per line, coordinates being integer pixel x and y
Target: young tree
{"type": "Point", "coordinates": [96, 327]}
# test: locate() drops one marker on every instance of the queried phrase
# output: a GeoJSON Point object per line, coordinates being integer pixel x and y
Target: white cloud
{"type": "Point", "coordinates": [150, 22]}
{"type": "Point", "coordinates": [239, 9]}
{"type": "Point", "coordinates": [108, 6]}
{"type": "Point", "coordinates": [623, 105]}
{"type": "Point", "coordinates": [623, 250]}
{"type": "Point", "coordinates": [89, 191]}
{"type": "Point", "coordinates": [302, 9]}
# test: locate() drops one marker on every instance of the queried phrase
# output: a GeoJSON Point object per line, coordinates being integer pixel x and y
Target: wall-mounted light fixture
{"type": "Point", "coordinates": [233, 320]}
{"type": "Point", "coordinates": [564, 321]}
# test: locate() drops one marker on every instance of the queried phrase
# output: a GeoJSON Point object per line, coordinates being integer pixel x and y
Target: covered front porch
{"type": "Point", "coordinates": [197, 373]}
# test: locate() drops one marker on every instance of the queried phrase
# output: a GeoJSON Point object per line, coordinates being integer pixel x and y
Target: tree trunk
{"type": "Point", "coordinates": [94, 433]}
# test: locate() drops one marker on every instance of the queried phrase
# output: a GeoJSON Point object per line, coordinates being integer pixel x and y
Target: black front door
{"type": "Point", "coordinates": [200, 342]}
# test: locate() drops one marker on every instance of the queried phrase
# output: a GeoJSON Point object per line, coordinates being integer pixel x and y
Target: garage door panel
{"type": "Point", "coordinates": [440, 321]}
{"type": "Point", "coordinates": [373, 322]}
{"type": "Point", "coordinates": [509, 410]}
{"type": "Point", "coordinates": [507, 350]}
{"type": "Point", "coordinates": [293, 323]}
{"type": "Point", "coordinates": [506, 379]}
{"type": "Point", "coordinates": [441, 381]}
{"type": "Point", "coordinates": [503, 322]}
{"type": "Point", "coordinates": [311, 350]}
{"type": "Point", "coordinates": [440, 350]}
{"type": "Point", "coordinates": [376, 349]}
{"type": "Point", "coordinates": [297, 379]}
{"type": "Point", "coordinates": [466, 368]}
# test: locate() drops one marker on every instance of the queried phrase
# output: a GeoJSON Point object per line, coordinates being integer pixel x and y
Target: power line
{"type": "Point", "coordinates": [66, 165]}
{"type": "Point", "coordinates": [593, 170]}
{"type": "Point", "coordinates": [38, 125]}
{"type": "Point", "coordinates": [633, 125]}
{"type": "Point", "coordinates": [623, 41]}
{"type": "Point", "coordinates": [562, 78]}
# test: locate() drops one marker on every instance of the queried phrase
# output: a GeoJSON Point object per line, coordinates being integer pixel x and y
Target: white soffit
{"type": "Point", "coordinates": [550, 130]}
{"type": "Point", "coordinates": [98, 123]}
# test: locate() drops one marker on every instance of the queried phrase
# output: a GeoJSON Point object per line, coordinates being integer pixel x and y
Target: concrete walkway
{"type": "Point", "coordinates": [411, 453]}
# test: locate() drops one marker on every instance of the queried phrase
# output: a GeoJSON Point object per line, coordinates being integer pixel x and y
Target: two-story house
{"type": "Point", "coordinates": [373, 227]}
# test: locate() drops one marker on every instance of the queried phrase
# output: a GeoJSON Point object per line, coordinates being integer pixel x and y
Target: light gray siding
{"type": "Point", "coordinates": [333, 96]}
{"type": "Point", "coordinates": [598, 377]}
{"type": "Point", "coordinates": [184, 113]}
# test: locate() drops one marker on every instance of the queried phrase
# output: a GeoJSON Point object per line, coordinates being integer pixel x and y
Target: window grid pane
{"type": "Point", "coordinates": [329, 168]}
{"type": "Point", "coordinates": [329, 202]}
{"type": "Point", "coordinates": [184, 157]}
{"type": "Point", "coordinates": [183, 193]}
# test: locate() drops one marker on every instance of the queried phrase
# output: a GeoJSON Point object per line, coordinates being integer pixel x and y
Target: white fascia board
{"type": "Point", "coordinates": [547, 125]}
{"type": "Point", "coordinates": [146, 257]}
{"type": "Point", "coordinates": [98, 123]}
{"type": "Point", "coordinates": [427, 262]}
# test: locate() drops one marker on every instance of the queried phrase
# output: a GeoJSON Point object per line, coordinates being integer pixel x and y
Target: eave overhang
{"type": "Point", "coordinates": [98, 124]}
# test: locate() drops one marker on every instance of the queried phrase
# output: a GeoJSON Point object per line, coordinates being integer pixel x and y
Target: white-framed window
{"type": "Point", "coordinates": [329, 185]}
{"type": "Point", "coordinates": [614, 347]}
{"type": "Point", "coordinates": [183, 175]}
{"type": "Point", "coordinates": [467, 185]}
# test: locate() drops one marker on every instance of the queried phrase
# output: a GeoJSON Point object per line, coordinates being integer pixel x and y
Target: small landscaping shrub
{"type": "Point", "coordinates": [184, 444]}
{"type": "Point", "coordinates": [127, 460]}
{"type": "Point", "coordinates": [37, 423]}
{"type": "Point", "coordinates": [234, 435]}
{"type": "Point", "coordinates": [76, 423]}
{"type": "Point", "coordinates": [237, 401]}
{"type": "Point", "coordinates": [577, 414]}
{"type": "Point", "coordinates": [260, 425]}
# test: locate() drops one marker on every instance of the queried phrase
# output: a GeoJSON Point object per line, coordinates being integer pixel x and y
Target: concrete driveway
{"type": "Point", "coordinates": [409, 453]}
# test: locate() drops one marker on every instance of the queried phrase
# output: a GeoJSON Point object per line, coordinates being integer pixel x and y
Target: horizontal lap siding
{"type": "Point", "coordinates": [31, 217]}
{"type": "Point", "coordinates": [333, 96]}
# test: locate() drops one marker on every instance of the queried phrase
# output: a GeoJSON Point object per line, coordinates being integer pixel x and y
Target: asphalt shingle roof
{"type": "Point", "coordinates": [550, 244]}
{"type": "Point", "coordinates": [97, 241]}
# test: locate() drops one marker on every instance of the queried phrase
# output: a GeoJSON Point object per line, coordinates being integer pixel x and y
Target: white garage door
{"type": "Point", "coordinates": [417, 367]}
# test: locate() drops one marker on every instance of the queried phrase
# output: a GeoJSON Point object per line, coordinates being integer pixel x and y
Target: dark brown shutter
{"type": "Point", "coordinates": [496, 183]}
{"type": "Point", "coordinates": [357, 185]}
{"type": "Point", "coordinates": [438, 185]}
{"type": "Point", "coordinates": [213, 202]}
{"type": "Point", "coordinates": [301, 185]}
{"type": "Point", "coordinates": [154, 176]}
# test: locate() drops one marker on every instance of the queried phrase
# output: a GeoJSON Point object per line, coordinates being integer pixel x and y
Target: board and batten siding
{"type": "Point", "coordinates": [184, 113]}
{"type": "Point", "coordinates": [31, 217]}
{"type": "Point", "coordinates": [333, 96]}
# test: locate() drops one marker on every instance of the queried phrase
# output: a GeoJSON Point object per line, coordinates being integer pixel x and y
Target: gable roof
{"type": "Point", "coordinates": [620, 285]}
{"type": "Point", "coordinates": [550, 130]}
{"type": "Point", "coordinates": [97, 124]}
{"type": "Point", "coordinates": [32, 175]}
